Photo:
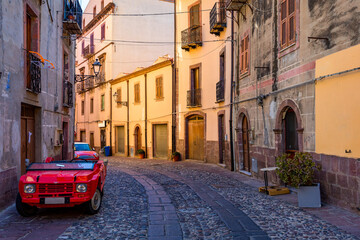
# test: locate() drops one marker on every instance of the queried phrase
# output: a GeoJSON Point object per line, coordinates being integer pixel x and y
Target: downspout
{"type": "Point", "coordinates": [231, 94]}
{"type": "Point", "coordinates": [110, 119]}
{"type": "Point", "coordinates": [146, 148]}
{"type": "Point", "coordinates": [275, 49]}
{"type": "Point", "coordinates": [128, 118]}
{"type": "Point", "coordinates": [173, 124]}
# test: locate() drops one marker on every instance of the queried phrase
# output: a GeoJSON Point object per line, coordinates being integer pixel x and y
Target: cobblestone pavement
{"type": "Point", "coordinates": [157, 199]}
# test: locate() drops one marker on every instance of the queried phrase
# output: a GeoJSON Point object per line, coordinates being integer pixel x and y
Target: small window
{"type": "Point", "coordinates": [92, 105]}
{"type": "Point", "coordinates": [83, 23]}
{"type": "Point", "coordinates": [103, 31]}
{"type": "Point", "coordinates": [244, 55]}
{"type": "Point", "coordinates": [92, 49]}
{"type": "Point", "coordinates": [82, 107]}
{"type": "Point", "coordinates": [118, 98]}
{"type": "Point", "coordinates": [94, 12]}
{"type": "Point", "coordinates": [287, 23]}
{"type": "Point", "coordinates": [103, 102]}
{"type": "Point", "coordinates": [137, 93]}
{"type": "Point", "coordinates": [102, 4]}
{"type": "Point", "coordinates": [82, 47]}
{"type": "Point", "coordinates": [159, 88]}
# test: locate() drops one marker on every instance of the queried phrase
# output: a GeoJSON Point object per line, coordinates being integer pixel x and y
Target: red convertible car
{"type": "Point", "coordinates": [83, 150]}
{"type": "Point", "coordinates": [61, 184]}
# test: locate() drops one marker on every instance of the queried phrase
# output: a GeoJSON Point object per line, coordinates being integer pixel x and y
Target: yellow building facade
{"type": "Point", "coordinates": [203, 62]}
{"type": "Point", "coordinates": [142, 111]}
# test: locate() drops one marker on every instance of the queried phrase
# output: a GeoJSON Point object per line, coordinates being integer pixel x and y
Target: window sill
{"type": "Point", "coordinates": [159, 99]}
{"type": "Point", "coordinates": [244, 74]}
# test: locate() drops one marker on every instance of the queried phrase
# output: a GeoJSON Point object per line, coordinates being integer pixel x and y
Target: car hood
{"type": "Point", "coordinates": [57, 176]}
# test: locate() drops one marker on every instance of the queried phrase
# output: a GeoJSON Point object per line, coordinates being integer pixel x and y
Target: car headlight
{"type": "Point", "coordinates": [81, 187]}
{"type": "Point", "coordinates": [29, 188]}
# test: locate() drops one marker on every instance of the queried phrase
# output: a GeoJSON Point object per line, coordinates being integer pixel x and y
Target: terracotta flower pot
{"type": "Point", "coordinates": [141, 155]}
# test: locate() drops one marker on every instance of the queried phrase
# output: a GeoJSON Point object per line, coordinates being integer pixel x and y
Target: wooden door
{"type": "Point", "coordinates": [102, 138]}
{"type": "Point", "coordinates": [137, 138]}
{"type": "Point", "coordinates": [221, 134]}
{"type": "Point", "coordinates": [196, 138]}
{"type": "Point", "coordinates": [82, 136]}
{"type": "Point", "coordinates": [27, 135]}
{"type": "Point", "coordinates": [160, 141]}
{"type": "Point", "coordinates": [65, 145]}
{"type": "Point", "coordinates": [92, 143]}
{"type": "Point", "coordinates": [245, 138]}
{"type": "Point", "coordinates": [120, 139]}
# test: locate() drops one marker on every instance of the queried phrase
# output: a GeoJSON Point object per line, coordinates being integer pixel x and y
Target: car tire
{"type": "Point", "coordinates": [93, 206]}
{"type": "Point", "coordinates": [24, 209]}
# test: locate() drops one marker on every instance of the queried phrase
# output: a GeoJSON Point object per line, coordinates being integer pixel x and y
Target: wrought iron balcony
{"type": "Point", "coordinates": [191, 37]}
{"type": "Point", "coordinates": [235, 5]}
{"type": "Point", "coordinates": [89, 51]}
{"type": "Point", "coordinates": [72, 20]}
{"type": "Point", "coordinates": [194, 97]}
{"type": "Point", "coordinates": [100, 78]}
{"type": "Point", "coordinates": [217, 18]}
{"type": "Point", "coordinates": [220, 91]}
{"type": "Point", "coordinates": [68, 94]}
{"type": "Point", "coordinates": [80, 87]}
{"type": "Point", "coordinates": [89, 83]}
{"type": "Point", "coordinates": [34, 74]}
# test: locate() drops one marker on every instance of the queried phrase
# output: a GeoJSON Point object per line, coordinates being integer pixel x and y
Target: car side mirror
{"type": "Point", "coordinates": [27, 162]}
{"type": "Point", "coordinates": [106, 162]}
{"type": "Point", "coordinates": [93, 149]}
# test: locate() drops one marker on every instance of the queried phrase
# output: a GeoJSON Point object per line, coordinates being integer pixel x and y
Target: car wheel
{"type": "Point", "coordinates": [93, 206]}
{"type": "Point", "coordinates": [24, 209]}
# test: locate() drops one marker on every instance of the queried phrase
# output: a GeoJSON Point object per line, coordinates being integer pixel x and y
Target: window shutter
{"type": "Point", "coordinates": [82, 47]}
{"type": "Point", "coordinates": [291, 20]}
{"type": "Point", "coordinates": [194, 16]}
{"type": "Point", "coordinates": [118, 95]}
{"type": "Point", "coordinates": [161, 87]}
{"type": "Point", "coordinates": [283, 19]}
{"type": "Point", "coordinates": [103, 31]}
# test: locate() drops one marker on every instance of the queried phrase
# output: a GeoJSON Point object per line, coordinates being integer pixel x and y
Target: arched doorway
{"type": "Point", "coordinates": [137, 139]}
{"type": "Point", "coordinates": [195, 137]}
{"type": "Point", "coordinates": [245, 144]}
{"type": "Point", "coordinates": [289, 127]}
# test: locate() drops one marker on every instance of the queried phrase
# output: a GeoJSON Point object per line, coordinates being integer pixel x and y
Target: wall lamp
{"type": "Point", "coordinates": [96, 67]}
{"type": "Point", "coordinates": [124, 103]}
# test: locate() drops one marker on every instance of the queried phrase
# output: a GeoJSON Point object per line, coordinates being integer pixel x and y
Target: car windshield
{"type": "Point", "coordinates": [61, 165]}
{"type": "Point", "coordinates": [85, 157]}
{"type": "Point", "coordinates": [82, 147]}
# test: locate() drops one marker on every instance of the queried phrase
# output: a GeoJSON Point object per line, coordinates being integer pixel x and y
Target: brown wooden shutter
{"type": "Point", "coordinates": [118, 95]}
{"type": "Point", "coordinates": [103, 31]}
{"type": "Point", "coordinates": [161, 87]}
{"type": "Point", "coordinates": [246, 57]}
{"type": "Point", "coordinates": [92, 43]}
{"type": "Point", "coordinates": [283, 19]}
{"type": "Point", "coordinates": [291, 20]}
{"type": "Point", "coordinates": [195, 15]}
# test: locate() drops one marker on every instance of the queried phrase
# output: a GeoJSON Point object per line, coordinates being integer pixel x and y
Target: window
{"type": "Point", "coordinates": [222, 66]}
{"type": "Point", "coordinates": [92, 50]}
{"type": "Point", "coordinates": [244, 56]}
{"type": "Point", "coordinates": [92, 105]}
{"type": "Point", "coordinates": [194, 15]}
{"type": "Point", "coordinates": [103, 31]}
{"type": "Point", "coordinates": [31, 40]}
{"type": "Point", "coordinates": [82, 107]}
{"type": "Point", "coordinates": [137, 93]}
{"type": "Point", "coordinates": [82, 73]}
{"type": "Point", "coordinates": [103, 102]}
{"type": "Point", "coordinates": [159, 88]}
{"type": "Point", "coordinates": [102, 69]}
{"type": "Point", "coordinates": [83, 23]}
{"type": "Point", "coordinates": [94, 12]}
{"type": "Point", "coordinates": [287, 21]}
{"type": "Point", "coordinates": [118, 98]}
{"type": "Point", "coordinates": [82, 47]}
{"type": "Point", "coordinates": [102, 4]}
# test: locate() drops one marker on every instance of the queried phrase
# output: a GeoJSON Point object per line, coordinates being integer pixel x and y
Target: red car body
{"type": "Point", "coordinates": [57, 184]}
{"type": "Point", "coordinates": [84, 151]}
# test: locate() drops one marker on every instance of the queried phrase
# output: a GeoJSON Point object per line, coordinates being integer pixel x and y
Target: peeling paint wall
{"type": "Point", "coordinates": [49, 110]}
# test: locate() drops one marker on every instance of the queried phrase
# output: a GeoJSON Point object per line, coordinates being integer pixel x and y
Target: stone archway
{"type": "Point", "coordinates": [242, 141]}
{"type": "Point", "coordinates": [280, 144]}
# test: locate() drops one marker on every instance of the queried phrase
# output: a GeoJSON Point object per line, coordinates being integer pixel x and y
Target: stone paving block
{"type": "Point", "coordinates": [259, 238]}
{"type": "Point", "coordinates": [164, 222]}
{"type": "Point", "coordinates": [161, 192]}
{"type": "Point", "coordinates": [156, 230]}
{"type": "Point", "coordinates": [171, 216]}
{"type": "Point", "coordinates": [156, 217]}
{"type": "Point", "coordinates": [169, 208]}
{"type": "Point", "coordinates": [166, 238]}
{"type": "Point", "coordinates": [165, 200]}
{"type": "Point", "coordinates": [173, 230]}
{"type": "Point", "coordinates": [154, 200]}
{"type": "Point", "coordinates": [155, 209]}
{"type": "Point", "coordinates": [247, 223]}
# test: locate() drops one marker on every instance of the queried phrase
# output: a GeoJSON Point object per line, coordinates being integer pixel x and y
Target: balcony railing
{"type": "Point", "coordinates": [89, 83]}
{"type": "Point", "coordinates": [89, 51]}
{"type": "Point", "coordinates": [194, 97]}
{"type": "Point", "coordinates": [217, 18]}
{"type": "Point", "coordinates": [72, 20]}
{"type": "Point", "coordinates": [220, 91]}
{"type": "Point", "coordinates": [100, 78]}
{"type": "Point", "coordinates": [34, 74]}
{"type": "Point", "coordinates": [80, 87]}
{"type": "Point", "coordinates": [235, 5]}
{"type": "Point", "coordinates": [191, 37]}
{"type": "Point", "coordinates": [68, 94]}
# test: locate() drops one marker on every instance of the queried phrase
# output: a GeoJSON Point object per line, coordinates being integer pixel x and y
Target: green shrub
{"type": "Point", "coordinates": [298, 170]}
{"type": "Point", "coordinates": [140, 151]}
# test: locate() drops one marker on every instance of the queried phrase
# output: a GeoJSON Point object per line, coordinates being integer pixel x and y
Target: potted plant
{"type": "Point", "coordinates": [141, 153]}
{"type": "Point", "coordinates": [298, 171]}
{"type": "Point", "coordinates": [175, 156]}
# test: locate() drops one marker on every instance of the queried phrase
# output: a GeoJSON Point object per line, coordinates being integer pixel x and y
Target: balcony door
{"type": "Point", "coordinates": [27, 135]}
{"type": "Point", "coordinates": [195, 15]}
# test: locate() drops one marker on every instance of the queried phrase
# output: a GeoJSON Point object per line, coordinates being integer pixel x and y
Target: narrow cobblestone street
{"type": "Point", "coordinates": [157, 199]}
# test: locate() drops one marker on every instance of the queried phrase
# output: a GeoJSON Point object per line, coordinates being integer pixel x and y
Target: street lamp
{"type": "Point", "coordinates": [96, 67]}
{"type": "Point", "coordinates": [124, 103]}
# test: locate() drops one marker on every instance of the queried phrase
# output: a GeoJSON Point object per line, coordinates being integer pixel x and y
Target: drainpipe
{"type": "Point", "coordinates": [146, 148]}
{"type": "Point", "coordinates": [173, 124]}
{"type": "Point", "coordinates": [110, 118]}
{"type": "Point", "coordinates": [128, 118]}
{"type": "Point", "coordinates": [231, 94]}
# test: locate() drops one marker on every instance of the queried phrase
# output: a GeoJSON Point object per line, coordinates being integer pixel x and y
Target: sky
{"type": "Point", "coordinates": [83, 4]}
